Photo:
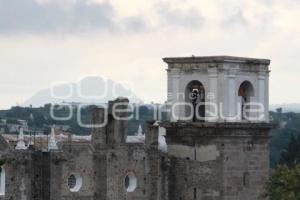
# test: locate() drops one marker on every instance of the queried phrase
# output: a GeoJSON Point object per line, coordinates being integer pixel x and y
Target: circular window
{"type": "Point", "coordinates": [130, 182]}
{"type": "Point", "coordinates": [74, 182]}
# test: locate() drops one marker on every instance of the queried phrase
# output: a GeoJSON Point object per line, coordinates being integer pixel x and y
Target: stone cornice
{"type": "Point", "coordinates": [216, 59]}
{"type": "Point", "coordinates": [219, 125]}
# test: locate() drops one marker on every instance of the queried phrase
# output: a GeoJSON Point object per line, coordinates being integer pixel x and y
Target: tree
{"type": "Point", "coordinates": [283, 142]}
{"type": "Point", "coordinates": [291, 156]}
{"type": "Point", "coordinates": [284, 183]}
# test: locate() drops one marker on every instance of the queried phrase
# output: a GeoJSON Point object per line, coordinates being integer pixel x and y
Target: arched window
{"type": "Point", "coordinates": [195, 94]}
{"type": "Point", "coordinates": [2, 181]}
{"type": "Point", "coordinates": [246, 91]}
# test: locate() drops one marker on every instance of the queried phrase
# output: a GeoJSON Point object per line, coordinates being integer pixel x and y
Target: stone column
{"type": "Point", "coordinates": [152, 134]}
{"type": "Point", "coordinates": [169, 86]}
{"type": "Point", "coordinates": [175, 115]}
{"type": "Point", "coordinates": [169, 95]}
{"type": "Point", "coordinates": [153, 161]}
{"type": "Point", "coordinates": [267, 96]}
{"type": "Point", "coordinates": [98, 133]}
{"type": "Point", "coordinates": [118, 121]}
{"type": "Point", "coordinates": [212, 94]}
{"type": "Point", "coordinates": [232, 96]}
{"type": "Point", "coordinates": [262, 92]}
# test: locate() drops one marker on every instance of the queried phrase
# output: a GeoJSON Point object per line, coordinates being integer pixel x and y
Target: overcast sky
{"type": "Point", "coordinates": [49, 41]}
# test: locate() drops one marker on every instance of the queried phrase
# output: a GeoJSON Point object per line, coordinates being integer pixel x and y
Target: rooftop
{"type": "Point", "coordinates": [216, 59]}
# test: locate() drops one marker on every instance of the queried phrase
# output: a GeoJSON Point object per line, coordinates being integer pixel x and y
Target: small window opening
{"type": "Point", "coordinates": [127, 182]}
{"type": "Point", "coordinates": [74, 182]}
{"type": "Point", "coordinates": [246, 179]}
{"type": "Point", "coordinates": [130, 182]}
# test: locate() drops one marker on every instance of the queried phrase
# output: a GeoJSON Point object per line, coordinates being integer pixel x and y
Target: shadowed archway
{"type": "Point", "coordinates": [246, 91]}
{"type": "Point", "coordinates": [195, 94]}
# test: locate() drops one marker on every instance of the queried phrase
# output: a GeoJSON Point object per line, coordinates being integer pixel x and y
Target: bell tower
{"type": "Point", "coordinates": [218, 88]}
{"type": "Point", "coordinates": [218, 133]}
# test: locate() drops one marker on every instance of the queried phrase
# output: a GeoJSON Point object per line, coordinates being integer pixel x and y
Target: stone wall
{"type": "Point", "coordinates": [74, 159]}
{"type": "Point", "coordinates": [217, 161]}
{"type": "Point", "coordinates": [205, 161]}
{"type": "Point", "coordinates": [24, 172]}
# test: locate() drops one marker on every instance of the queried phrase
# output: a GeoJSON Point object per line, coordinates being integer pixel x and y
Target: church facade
{"type": "Point", "coordinates": [217, 140]}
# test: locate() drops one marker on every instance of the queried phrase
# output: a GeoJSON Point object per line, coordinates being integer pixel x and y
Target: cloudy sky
{"type": "Point", "coordinates": [49, 41]}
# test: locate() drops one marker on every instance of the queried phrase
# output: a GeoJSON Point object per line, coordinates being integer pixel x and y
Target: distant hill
{"type": "Point", "coordinates": [92, 89]}
{"type": "Point", "coordinates": [290, 107]}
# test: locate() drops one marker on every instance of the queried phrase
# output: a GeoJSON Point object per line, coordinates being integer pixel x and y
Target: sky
{"type": "Point", "coordinates": [43, 42]}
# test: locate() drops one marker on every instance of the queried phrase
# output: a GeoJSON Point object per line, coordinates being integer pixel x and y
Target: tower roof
{"type": "Point", "coordinates": [216, 59]}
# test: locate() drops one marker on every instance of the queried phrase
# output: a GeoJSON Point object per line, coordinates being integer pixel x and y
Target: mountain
{"type": "Point", "coordinates": [90, 90]}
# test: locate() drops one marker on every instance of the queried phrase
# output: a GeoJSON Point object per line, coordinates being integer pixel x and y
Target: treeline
{"type": "Point", "coordinates": [284, 183]}
{"type": "Point", "coordinates": [287, 130]}
{"type": "Point", "coordinates": [46, 116]}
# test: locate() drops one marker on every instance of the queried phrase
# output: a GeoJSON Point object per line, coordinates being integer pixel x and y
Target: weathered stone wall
{"type": "Point", "coordinates": [246, 167]}
{"type": "Point", "coordinates": [217, 161]}
{"type": "Point", "coordinates": [205, 161]}
{"type": "Point", "coordinates": [74, 159]}
{"type": "Point", "coordinates": [23, 175]}
{"type": "Point", "coordinates": [127, 159]}
{"type": "Point", "coordinates": [197, 172]}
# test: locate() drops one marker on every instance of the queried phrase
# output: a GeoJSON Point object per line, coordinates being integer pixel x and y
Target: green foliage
{"type": "Point", "coordinates": [291, 156]}
{"type": "Point", "coordinates": [288, 130]}
{"type": "Point", "coordinates": [284, 183]}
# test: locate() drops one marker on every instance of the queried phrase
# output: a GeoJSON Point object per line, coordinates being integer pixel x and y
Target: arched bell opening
{"type": "Point", "coordinates": [195, 96]}
{"type": "Point", "coordinates": [246, 91]}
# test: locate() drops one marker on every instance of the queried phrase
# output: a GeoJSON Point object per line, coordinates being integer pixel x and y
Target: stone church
{"type": "Point", "coordinates": [217, 140]}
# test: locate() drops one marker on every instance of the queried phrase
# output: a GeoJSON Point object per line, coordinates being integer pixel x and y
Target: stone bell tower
{"type": "Point", "coordinates": [225, 88]}
{"type": "Point", "coordinates": [218, 135]}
